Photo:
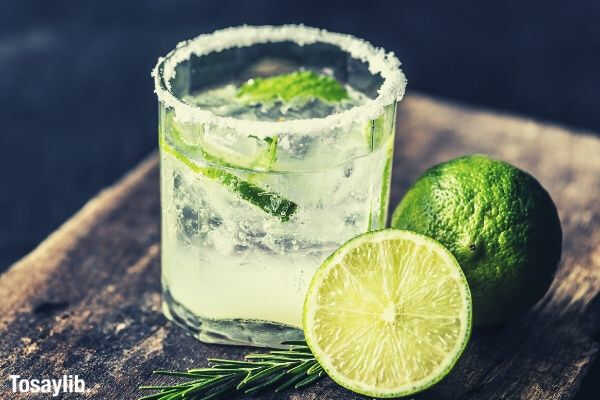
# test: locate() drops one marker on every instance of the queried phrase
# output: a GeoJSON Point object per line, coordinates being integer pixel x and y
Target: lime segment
{"type": "Point", "coordinates": [388, 314]}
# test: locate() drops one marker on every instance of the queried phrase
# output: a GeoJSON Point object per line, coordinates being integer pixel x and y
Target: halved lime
{"type": "Point", "coordinates": [388, 314]}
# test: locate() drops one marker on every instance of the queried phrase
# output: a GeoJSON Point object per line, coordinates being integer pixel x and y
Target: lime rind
{"type": "Point", "coordinates": [326, 361]}
{"type": "Point", "coordinates": [298, 85]}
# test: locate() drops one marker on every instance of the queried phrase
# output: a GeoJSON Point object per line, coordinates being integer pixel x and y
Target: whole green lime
{"type": "Point", "coordinates": [499, 223]}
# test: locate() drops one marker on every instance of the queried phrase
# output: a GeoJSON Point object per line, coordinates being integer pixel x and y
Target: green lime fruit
{"type": "Point", "coordinates": [388, 314]}
{"type": "Point", "coordinates": [500, 224]}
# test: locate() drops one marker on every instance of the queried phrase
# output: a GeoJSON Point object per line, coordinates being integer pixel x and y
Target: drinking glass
{"type": "Point", "coordinates": [254, 199]}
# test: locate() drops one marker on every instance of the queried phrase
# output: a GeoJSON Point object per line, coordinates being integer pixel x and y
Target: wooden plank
{"type": "Point", "coordinates": [87, 300]}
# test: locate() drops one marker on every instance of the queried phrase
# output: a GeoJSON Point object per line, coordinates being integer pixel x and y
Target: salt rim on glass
{"type": "Point", "coordinates": [378, 60]}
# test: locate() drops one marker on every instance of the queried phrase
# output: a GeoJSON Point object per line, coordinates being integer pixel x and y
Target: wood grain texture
{"type": "Point", "coordinates": [87, 300]}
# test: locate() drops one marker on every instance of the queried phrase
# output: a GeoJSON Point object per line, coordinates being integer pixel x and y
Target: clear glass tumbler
{"type": "Point", "coordinates": [256, 195]}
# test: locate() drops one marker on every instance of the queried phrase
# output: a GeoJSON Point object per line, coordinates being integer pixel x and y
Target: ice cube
{"type": "Point", "coordinates": [194, 218]}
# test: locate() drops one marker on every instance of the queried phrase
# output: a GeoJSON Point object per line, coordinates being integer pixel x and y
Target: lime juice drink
{"type": "Point", "coordinates": [276, 147]}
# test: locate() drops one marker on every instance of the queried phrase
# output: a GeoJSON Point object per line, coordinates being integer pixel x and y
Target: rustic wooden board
{"type": "Point", "coordinates": [87, 300]}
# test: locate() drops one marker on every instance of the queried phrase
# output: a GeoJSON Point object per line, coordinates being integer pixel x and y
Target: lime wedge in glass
{"type": "Point", "coordinates": [271, 203]}
{"type": "Point", "coordinates": [388, 314]}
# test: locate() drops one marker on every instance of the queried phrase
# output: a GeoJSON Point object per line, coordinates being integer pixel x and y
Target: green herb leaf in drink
{"type": "Point", "coordinates": [295, 85]}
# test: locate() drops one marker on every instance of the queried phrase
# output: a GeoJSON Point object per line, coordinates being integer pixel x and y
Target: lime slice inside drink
{"type": "Point", "coordinates": [269, 202]}
{"type": "Point", "coordinates": [388, 314]}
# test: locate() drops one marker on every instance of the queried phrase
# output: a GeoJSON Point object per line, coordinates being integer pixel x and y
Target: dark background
{"type": "Point", "coordinates": [77, 107]}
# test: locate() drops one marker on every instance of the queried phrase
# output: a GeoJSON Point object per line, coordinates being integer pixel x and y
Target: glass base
{"type": "Point", "coordinates": [238, 332]}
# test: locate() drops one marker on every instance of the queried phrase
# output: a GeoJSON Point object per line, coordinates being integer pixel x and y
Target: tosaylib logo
{"type": "Point", "coordinates": [66, 384]}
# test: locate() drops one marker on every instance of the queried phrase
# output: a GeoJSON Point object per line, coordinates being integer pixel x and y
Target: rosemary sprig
{"type": "Point", "coordinates": [278, 369]}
